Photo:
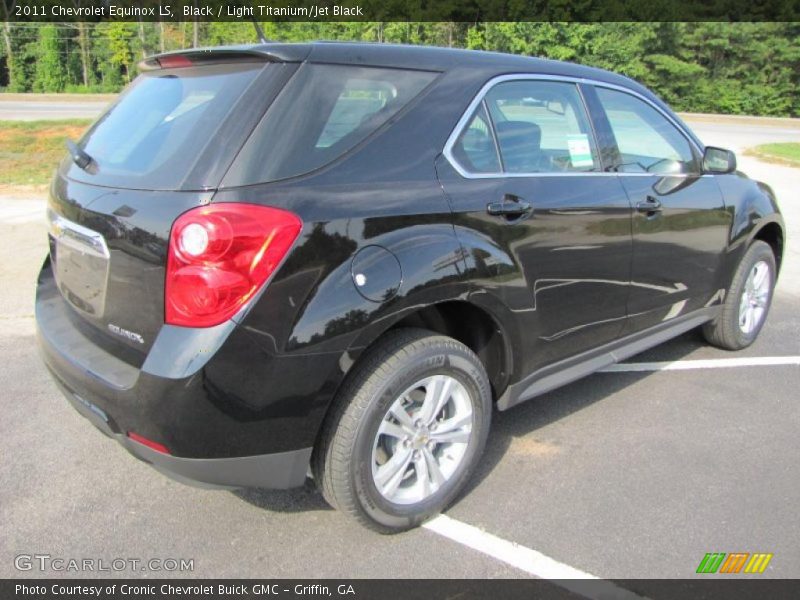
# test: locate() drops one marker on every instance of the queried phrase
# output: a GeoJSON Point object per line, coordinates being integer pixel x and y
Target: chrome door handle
{"type": "Point", "coordinates": [649, 206]}
{"type": "Point", "coordinates": [510, 206]}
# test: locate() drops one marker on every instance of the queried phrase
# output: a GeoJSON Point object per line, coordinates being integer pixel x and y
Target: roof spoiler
{"type": "Point", "coordinates": [206, 56]}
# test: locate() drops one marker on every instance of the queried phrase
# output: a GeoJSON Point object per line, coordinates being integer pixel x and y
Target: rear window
{"type": "Point", "coordinates": [324, 111]}
{"type": "Point", "coordinates": [156, 132]}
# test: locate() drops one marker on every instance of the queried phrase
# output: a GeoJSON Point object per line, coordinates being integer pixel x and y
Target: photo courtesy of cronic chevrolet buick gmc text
{"type": "Point", "coordinates": [281, 259]}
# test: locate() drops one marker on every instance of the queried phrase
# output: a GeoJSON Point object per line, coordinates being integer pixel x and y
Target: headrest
{"type": "Point", "coordinates": [517, 136]}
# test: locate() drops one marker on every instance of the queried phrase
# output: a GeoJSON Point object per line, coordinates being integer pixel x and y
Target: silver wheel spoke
{"type": "Point", "coordinates": [759, 276]}
{"type": "Point", "coordinates": [391, 473]}
{"type": "Point", "coordinates": [394, 430]}
{"type": "Point", "coordinates": [459, 436]}
{"type": "Point", "coordinates": [423, 476]}
{"type": "Point", "coordinates": [399, 412]}
{"type": "Point", "coordinates": [453, 424]}
{"type": "Point", "coordinates": [434, 471]}
{"type": "Point", "coordinates": [436, 396]}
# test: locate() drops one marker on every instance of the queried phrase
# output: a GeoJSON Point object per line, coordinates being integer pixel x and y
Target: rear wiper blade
{"type": "Point", "coordinates": [81, 158]}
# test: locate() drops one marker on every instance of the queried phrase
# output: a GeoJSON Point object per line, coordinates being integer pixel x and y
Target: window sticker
{"type": "Point", "coordinates": [580, 153]}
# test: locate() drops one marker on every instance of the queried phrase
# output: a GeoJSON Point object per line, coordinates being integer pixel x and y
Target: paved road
{"type": "Point", "coordinates": [739, 136]}
{"type": "Point", "coordinates": [32, 110]}
{"type": "Point", "coordinates": [621, 475]}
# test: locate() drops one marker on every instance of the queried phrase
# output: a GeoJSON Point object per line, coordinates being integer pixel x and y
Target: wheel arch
{"type": "Point", "coordinates": [489, 340]}
{"type": "Point", "coordinates": [472, 325]}
{"type": "Point", "coordinates": [772, 234]}
{"type": "Point", "coordinates": [755, 215]}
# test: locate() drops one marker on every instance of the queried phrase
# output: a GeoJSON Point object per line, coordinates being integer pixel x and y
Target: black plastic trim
{"type": "Point", "coordinates": [576, 367]}
{"type": "Point", "coordinates": [279, 470]}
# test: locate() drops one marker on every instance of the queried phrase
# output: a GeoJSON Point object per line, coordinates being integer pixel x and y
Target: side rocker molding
{"type": "Point", "coordinates": [569, 370]}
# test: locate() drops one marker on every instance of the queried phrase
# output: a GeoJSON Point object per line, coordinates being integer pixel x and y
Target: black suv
{"type": "Point", "coordinates": [335, 258]}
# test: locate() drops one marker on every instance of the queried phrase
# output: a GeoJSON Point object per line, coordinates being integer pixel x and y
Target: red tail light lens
{"type": "Point", "coordinates": [219, 256]}
{"type": "Point", "coordinates": [149, 443]}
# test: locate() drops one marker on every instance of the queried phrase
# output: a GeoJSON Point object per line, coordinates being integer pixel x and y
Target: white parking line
{"type": "Point", "coordinates": [712, 363]}
{"type": "Point", "coordinates": [540, 565]}
{"type": "Point", "coordinates": [528, 560]}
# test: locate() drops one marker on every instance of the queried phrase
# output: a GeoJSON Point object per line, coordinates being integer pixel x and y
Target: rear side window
{"type": "Point", "coordinates": [541, 127]}
{"type": "Point", "coordinates": [153, 136]}
{"type": "Point", "coordinates": [324, 111]}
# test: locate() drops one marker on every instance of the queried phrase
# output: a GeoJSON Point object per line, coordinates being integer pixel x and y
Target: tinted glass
{"type": "Point", "coordinates": [475, 149]}
{"type": "Point", "coordinates": [152, 137]}
{"type": "Point", "coordinates": [322, 113]}
{"type": "Point", "coordinates": [647, 141]}
{"type": "Point", "coordinates": [541, 127]}
{"type": "Point", "coordinates": [358, 101]}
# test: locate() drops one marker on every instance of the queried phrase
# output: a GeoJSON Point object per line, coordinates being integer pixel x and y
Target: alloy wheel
{"type": "Point", "coordinates": [422, 439]}
{"type": "Point", "coordinates": [755, 298]}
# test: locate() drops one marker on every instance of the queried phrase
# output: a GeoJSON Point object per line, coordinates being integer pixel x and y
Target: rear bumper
{"type": "Point", "coordinates": [216, 435]}
{"type": "Point", "coordinates": [281, 470]}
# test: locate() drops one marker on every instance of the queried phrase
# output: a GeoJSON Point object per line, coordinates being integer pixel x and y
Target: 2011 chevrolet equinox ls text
{"type": "Point", "coordinates": [277, 258]}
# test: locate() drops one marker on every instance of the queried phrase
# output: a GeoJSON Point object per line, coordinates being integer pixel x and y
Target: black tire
{"type": "Point", "coordinates": [725, 331]}
{"type": "Point", "coordinates": [343, 460]}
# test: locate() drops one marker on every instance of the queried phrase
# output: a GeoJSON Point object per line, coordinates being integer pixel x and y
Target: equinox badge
{"type": "Point", "coordinates": [131, 335]}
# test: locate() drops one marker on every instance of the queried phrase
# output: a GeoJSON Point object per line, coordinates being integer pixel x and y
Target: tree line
{"type": "Point", "coordinates": [734, 68]}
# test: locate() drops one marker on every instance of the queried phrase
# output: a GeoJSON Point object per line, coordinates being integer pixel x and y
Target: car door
{"type": "Point", "coordinates": [544, 229]}
{"type": "Point", "coordinates": [680, 225]}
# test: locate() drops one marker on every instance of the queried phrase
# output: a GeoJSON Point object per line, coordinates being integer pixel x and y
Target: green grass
{"type": "Point", "coordinates": [31, 150]}
{"type": "Point", "coordinates": [786, 153]}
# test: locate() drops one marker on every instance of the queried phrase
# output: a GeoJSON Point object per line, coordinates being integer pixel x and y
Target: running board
{"type": "Point", "coordinates": [568, 370]}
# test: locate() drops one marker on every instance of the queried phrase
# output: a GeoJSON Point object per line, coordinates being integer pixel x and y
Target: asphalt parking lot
{"type": "Point", "coordinates": [625, 474]}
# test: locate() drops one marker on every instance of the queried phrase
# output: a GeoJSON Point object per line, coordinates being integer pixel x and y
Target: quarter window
{"type": "Point", "coordinates": [321, 114]}
{"type": "Point", "coordinates": [647, 141]}
{"type": "Point", "coordinates": [359, 100]}
{"type": "Point", "coordinates": [475, 148]}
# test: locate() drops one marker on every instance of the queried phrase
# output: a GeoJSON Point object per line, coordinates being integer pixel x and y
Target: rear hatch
{"type": "Point", "coordinates": [159, 151]}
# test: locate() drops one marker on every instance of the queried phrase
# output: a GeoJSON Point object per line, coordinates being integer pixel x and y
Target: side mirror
{"type": "Point", "coordinates": [718, 160]}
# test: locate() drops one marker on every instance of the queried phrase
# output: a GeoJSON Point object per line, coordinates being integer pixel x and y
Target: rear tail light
{"type": "Point", "coordinates": [219, 256]}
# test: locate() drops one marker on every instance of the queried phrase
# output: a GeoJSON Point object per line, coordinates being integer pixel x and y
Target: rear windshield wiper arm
{"type": "Point", "coordinates": [81, 158]}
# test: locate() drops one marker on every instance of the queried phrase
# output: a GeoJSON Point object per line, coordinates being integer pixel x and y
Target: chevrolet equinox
{"type": "Point", "coordinates": [337, 259]}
